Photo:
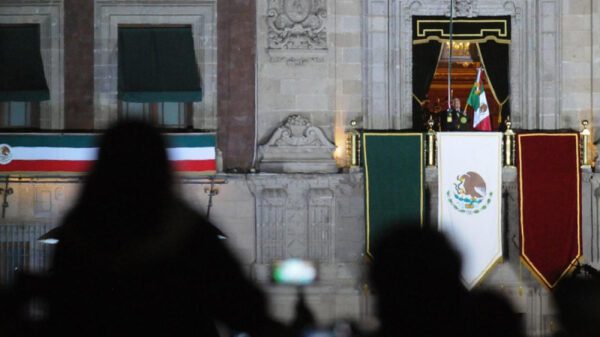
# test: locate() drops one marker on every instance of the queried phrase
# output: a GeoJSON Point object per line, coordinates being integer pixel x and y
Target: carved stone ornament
{"type": "Point", "coordinates": [297, 147]}
{"type": "Point", "coordinates": [464, 8]}
{"type": "Point", "coordinates": [297, 24]}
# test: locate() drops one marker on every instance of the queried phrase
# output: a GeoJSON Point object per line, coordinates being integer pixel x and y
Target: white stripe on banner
{"type": "Point", "coordinates": [54, 153]}
{"type": "Point", "coordinates": [191, 153]}
{"type": "Point", "coordinates": [89, 153]}
{"type": "Point", "coordinates": [470, 194]}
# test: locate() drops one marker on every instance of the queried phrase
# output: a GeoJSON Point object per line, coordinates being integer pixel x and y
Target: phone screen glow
{"type": "Point", "coordinates": [294, 272]}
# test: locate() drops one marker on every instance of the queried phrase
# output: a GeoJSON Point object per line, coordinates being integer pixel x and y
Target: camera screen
{"type": "Point", "coordinates": [294, 272]}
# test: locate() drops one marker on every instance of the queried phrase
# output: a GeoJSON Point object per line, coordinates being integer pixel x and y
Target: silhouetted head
{"type": "Point", "coordinates": [577, 300]}
{"type": "Point", "coordinates": [132, 154]}
{"type": "Point", "coordinates": [492, 315]}
{"type": "Point", "coordinates": [416, 277]}
{"type": "Point", "coordinates": [129, 185]}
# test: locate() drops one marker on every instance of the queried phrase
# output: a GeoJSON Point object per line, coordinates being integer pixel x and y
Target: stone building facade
{"type": "Point", "coordinates": [331, 62]}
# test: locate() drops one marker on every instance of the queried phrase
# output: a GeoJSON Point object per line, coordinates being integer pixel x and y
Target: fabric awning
{"type": "Point", "coordinates": [21, 69]}
{"type": "Point", "coordinates": [158, 64]}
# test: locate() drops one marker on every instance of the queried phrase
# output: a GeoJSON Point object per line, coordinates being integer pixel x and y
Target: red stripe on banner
{"type": "Point", "coordinates": [47, 165]}
{"type": "Point", "coordinates": [84, 166]}
{"type": "Point", "coordinates": [550, 203]}
{"type": "Point", "coordinates": [194, 165]}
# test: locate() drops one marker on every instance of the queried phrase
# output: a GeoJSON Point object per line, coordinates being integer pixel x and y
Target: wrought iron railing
{"type": "Point", "coordinates": [20, 250]}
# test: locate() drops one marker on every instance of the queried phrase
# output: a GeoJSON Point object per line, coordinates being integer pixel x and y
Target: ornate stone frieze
{"type": "Point", "coordinates": [297, 24]}
{"type": "Point", "coordinates": [297, 61]}
{"type": "Point", "coordinates": [309, 216]}
{"type": "Point", "coordinates": [297, 147]}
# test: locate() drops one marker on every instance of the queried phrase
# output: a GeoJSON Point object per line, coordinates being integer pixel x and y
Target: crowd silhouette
{"type": "Point", "coordinates": [133, 259]}
{"type": "Point", "coordinates": [416, 277]}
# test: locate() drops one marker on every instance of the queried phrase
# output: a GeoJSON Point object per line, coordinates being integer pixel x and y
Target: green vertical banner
{"type": "Point", "coordinates": [393, 181]}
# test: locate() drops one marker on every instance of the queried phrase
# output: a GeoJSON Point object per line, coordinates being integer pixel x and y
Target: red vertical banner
{"type": "Point", "coordinates": [549, 203]}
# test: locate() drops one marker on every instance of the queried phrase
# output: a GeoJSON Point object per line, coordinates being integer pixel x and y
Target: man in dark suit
{"type": "Point", "coordinates": [455, 119]}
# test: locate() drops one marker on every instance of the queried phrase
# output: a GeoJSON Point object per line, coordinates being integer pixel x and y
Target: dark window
{"type": "Point", "coordinates": [170, 115]}
{"type": "Point", "coordinates": [158, 75]}
{"type": "Point", "coordinates": [22, 80]}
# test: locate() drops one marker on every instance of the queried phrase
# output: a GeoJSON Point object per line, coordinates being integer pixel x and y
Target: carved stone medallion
{"type": "Point", "coordinates": [297, 24]}
{"type": "Point", "coordinates": [464, 8]}
{"type": "Point", "coordinates": [297, 10]}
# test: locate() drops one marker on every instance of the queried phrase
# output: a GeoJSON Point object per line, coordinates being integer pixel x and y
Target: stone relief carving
{"type": "Point", "coordinates": [300, 215]}
{"type": "Point", "coordinates": [297, 147]}
{"type": "Point", "coordinates": [413, 6]}
{"type": "Point", "coordinates": [512, 8]}
{"type": "Point", "coordinates": [320, 225]}
{"type": "Point", "coordinates": [297, 24]}
{"type": "Point", "coordinates": [271, 225]}
{"type": "Point", "coordinates": [464, 8]}
{"type": "Point", "coordinates": [297, 61]}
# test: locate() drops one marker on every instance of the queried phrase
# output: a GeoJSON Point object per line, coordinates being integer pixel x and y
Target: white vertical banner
{"type": "Point", "coordinates": [470, 196]}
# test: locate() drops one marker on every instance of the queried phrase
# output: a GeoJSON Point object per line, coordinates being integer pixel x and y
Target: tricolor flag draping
{"type": "Point", "coordinates": [74, 153]}
{"type": "Point", "coordinates": [549, 203]}
{"type": "Point", "coordinates": [478, 100]}
{"type": "Point", "coordinates": [469, 206]}
{"type": "Point", "coordinates": [393, 181]}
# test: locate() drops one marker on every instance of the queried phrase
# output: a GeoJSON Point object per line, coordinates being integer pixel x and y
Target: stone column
{"type": "Point", "coordinates": [236, 25]}
{"type": "Point", "coordinates": [79, 64]}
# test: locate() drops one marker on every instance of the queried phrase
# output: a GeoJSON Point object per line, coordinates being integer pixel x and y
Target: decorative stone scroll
{"type": "Point", "coordinates": [297, 24]}
{"type": "Point", "coordinates": [297, 147]}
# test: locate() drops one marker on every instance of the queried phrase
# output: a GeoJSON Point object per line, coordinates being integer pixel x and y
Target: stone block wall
{"type": "Point", "coordinates": [317, 73]}
{"type": "Point", "coordinates": [577, 69]}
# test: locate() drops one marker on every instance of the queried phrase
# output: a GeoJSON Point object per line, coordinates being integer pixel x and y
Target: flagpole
{"type": "Point", "coordinates": [450, 55]}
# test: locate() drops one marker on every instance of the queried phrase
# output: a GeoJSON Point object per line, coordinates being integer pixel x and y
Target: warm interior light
{"type": "Point", "coordinates": [339, 135]}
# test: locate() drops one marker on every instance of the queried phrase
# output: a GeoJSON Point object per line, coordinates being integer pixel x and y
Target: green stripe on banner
{"type": "Point", "coordinates": [49, 140]}
{"type": "Point", "coordinates": [191, 140]}
{"type": "Point", "coordinates": [90, 140]}
{"type": "Point", "coordinates": [393, 181]}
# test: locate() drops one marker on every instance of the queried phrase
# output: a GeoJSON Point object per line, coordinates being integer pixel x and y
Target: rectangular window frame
{"type": "Point", "coordinates": [32, 118]}
{"type": "Point", "coordinates": [154, 113]}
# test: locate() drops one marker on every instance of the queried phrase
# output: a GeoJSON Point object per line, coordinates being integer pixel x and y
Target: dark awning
{"type": "Point", "coordinates": [21, 70]}
{"type": "Point", "coordinates": [158, 64]}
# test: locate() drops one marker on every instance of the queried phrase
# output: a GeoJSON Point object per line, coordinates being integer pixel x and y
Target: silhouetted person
{"type": "Point", "coordinates": [491, 315]}
{"type": "Point", "coordinates": [577, 300]}
{"type": "Point", "coordinates": [421, 116]}
{"type": "Point", "coordinates": [303, 316]}
{"type": "Point", "coordinates": [133, 260]}
{"type": "Point", "coordinates": [416, 278]}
